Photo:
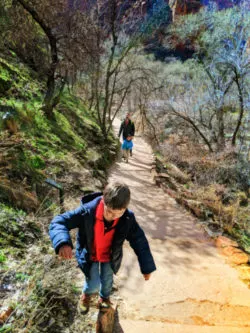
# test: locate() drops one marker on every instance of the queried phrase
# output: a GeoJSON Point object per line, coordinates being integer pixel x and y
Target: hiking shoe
{"type": "Point", "coordinates": [83, 304]}
{"type": "Point", "coordinates": [104, 303]}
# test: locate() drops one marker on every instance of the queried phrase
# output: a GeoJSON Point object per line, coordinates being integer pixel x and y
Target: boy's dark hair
{"type": "Point", "coordinates": [116, 195]}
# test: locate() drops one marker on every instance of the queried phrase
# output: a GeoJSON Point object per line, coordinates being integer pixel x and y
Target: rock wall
{"type": "Point", "coordinates": [184, 7]}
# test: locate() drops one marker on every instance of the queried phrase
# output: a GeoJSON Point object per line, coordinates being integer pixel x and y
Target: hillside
{"type": "Point", "coordinates": [35, 152]}
{"type": "Point", "coordinates": [44, 148]}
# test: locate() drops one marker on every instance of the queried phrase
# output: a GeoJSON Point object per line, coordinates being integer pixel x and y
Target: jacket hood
{"type": "Point", "coordinates": [90, 200]}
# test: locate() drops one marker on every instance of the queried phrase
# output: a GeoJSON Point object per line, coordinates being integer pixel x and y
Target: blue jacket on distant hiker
{"type": "Point", "coordinates": [85, 219]}
{"type": "Point", "coordinates": [127, 129]}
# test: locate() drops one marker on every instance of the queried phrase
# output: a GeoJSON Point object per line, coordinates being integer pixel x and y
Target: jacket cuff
{"type": "Point", "coordinates": [57, 248]}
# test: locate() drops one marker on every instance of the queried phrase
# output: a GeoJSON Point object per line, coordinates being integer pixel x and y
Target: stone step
{"type": "Point", "coordinates": [140, 326]}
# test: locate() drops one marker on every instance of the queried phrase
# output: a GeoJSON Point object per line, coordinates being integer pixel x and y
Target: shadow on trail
{"type": "Point", "coordinates": [117, 327]}
{"type": "Point", "coordinates": [108, 321]}
{"type": "Point", "coordinates": [170, 227]}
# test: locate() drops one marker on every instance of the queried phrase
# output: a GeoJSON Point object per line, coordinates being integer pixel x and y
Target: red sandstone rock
{"type": "Point", "coordinates": [235, 255]}
{"type": "Point", "coordinates": [223, 241]}
{"type": "Point", "coordinates": [184, 7]}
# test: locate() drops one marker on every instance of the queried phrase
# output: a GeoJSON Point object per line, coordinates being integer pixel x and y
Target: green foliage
{"type": "Point", "coordinates": [34, 161]}
{"type": "Point", "coordinates": [16, 230]}
{"type": "Point", "coordinates": [2, 257]}
{"type": "Point", "coordinates": [76, 289]}
{"type": "Point", "coordinates": [242, 237]}
{"type": "Point", "coordinates": [42, 147]}
{"type": "Point", "coordinates": [4, 74]}
{"type": "Point", "coordinates": [25, 164]}
{"type": "Point", "coordinates": [22, 277]}
{"type": "Point", "coordinates": [208, 30]}
{"type": "Point", "coordinates": [17, 80]}
{"type": "Point", "coordinates": [46, 297]}
{"type": "Point", "coordinates": [7, 328]}
{"type": "Point", "coordinates": [67, 132]}
{"type": "Point", "coordinates": [5, 80]}
{"type": "Point", "coordinates": [158, 17]}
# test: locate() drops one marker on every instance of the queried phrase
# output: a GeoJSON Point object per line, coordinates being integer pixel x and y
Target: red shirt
{"type": "Point", "coordinates": [101, 250]}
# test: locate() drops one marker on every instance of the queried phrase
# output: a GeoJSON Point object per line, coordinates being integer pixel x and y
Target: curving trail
{"type": "Point", "coordinates": [193, 289]}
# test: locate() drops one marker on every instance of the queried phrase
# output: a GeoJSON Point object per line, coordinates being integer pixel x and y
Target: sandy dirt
{"type": "Point", "coordinates": [193, 289]}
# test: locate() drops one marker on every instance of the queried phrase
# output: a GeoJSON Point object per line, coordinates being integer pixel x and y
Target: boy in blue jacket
{"type": "Point", "coordinates": [104, 222]}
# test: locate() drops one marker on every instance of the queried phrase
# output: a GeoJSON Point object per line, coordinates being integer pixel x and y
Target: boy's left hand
{"type": "Point", "coordinates": [146, 276]}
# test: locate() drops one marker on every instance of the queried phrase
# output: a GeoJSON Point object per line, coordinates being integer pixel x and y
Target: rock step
{"type": "Point", "coordinates": [140, 326]}
{"type": "Point", "coordinates": [195, 312]}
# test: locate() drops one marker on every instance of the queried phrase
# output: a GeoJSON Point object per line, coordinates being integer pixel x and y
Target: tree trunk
{"type": "Point", "coordinates": [195, 126]}
{"type": "Point", "coordinates": [48, 99]}
{"type": "Point", "coordinates": [221, 130]}
{"type": "Point", "coordinates": [239, 122]}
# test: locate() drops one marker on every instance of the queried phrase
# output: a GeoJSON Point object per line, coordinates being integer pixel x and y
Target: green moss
{"type": "Point", "coordinates": [2, 257]}
{"type": "Point", "coordinates": [18, 80]}
{"type": "Point", "coordinates": [4, 74]}
{"type": "Point", "coordinates": [5, 81]}
{"type": "Point", "coordinates": [66, 131]}
{"type": "Point", "coordinates": [35, 162]}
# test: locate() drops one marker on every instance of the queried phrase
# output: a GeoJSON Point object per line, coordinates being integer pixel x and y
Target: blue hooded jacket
{"type": "Point", "coordinates": [83, 218]}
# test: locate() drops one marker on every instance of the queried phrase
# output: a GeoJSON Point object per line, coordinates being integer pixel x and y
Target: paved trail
{"type": "Point", "coordinates": [193, 289]}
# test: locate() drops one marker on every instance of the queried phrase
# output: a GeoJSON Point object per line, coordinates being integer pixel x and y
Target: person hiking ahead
{"type": "Point", "coordinates": [127, 129]}
{"type": "Point", "coordinates": [104, 222]}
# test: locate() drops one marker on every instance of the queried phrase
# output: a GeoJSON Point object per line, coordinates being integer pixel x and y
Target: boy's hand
{"type": "Point", "coordinates": [146, 276]}
{"type": "Point", "coordinates": [65, 252]}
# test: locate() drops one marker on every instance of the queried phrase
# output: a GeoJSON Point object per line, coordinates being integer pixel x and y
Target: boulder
{"type": "Point", "coordinates": [223, 241]}
{"type": "Point", "coordinates": [177, 174]}
{"type": "Point", "coordinates": [235, 255]}
{"type": "Point", "coordinates": [196, 207]}
{"type": "Point", "coordinates": [4, 315]}
{"type": "Point", "coordinates": [244, 273]}
{"type": "Point", "coordinates": [166, 181]}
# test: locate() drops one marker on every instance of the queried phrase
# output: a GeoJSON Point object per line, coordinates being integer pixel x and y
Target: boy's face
{"type": "Point", "coordinates": [112, 214]}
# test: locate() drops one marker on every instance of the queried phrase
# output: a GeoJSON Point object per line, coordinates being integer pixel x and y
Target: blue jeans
{"type": "Point", "coordinates": [100, 279]}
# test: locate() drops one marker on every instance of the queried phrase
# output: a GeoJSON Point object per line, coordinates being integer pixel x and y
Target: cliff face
{"type": "Point", "coordinates": [145, 8]}
{"type": "Point", "coordinates": [222, 4]}
{"type": "Point", "coordinates": [184, 7]}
